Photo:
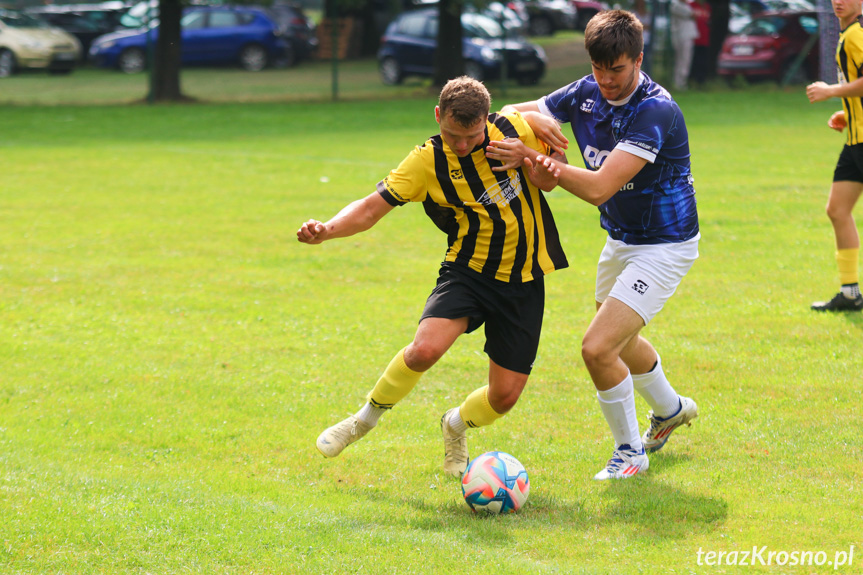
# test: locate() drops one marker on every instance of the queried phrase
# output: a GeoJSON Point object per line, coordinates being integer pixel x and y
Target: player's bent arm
{"type": "Point", "coordinates": [837, 121]}
{"type": "Point", "coordinates": [354, 218]}
{"type": "Point", "coordinates": [820, 91]}
{"type": "Point", "coordinates": [510, 151]}
{"type": "Point", "coordinates": [523, 107]}
{"type": "Point", "coordinates": [545, 127]}
{"type": "Point", "coordinates": [597, 187]}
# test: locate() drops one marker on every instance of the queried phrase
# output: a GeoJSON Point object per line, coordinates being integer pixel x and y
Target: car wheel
{"type": "Point", "coordinates": [7, 63]}
{"type": "Point", "coordinates": [132, 61]}
{"type": "Point", "coordinates": [528, 80]}
{"type": "Point", "coordinates": [474, 70]}
{"type": "Point", "coordinates": [540, 26]}
{"type": "Point", "coordinates": [391, 72]}
{"type": "Point", "coordinates": [253, 58]}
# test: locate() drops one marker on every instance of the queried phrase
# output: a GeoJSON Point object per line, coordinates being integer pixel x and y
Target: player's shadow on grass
{"type": "Point", "coordinates": [661, 510]}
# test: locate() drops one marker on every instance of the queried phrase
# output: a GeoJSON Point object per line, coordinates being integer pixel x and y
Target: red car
{"type": "Point", "coordinates": [768, 48]}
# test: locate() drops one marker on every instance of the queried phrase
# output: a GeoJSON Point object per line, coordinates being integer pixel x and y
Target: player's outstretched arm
{"type": "Point", "coordinates": [543, 172]}
{"type": "Point", "coordinates": [354, 218]}
{"type": "Point", "coordinates": [594, 187]}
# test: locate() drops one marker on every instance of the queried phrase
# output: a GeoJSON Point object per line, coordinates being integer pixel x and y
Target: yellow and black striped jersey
{"type": "Point", "coordinates": [497, 223]}
{"type": "Point", "coordinates": [849, 60]}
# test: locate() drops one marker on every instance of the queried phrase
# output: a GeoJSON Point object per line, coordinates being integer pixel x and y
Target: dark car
{"type": "Point", "coordinates": [84, 21]}
{"type": "Point", "coordinates": [297, 29]}
{"type": "Point", "coordinates": [768, 47]}
{"type": "Point", "coordinates": [216, 35]}
{"type": "Point", "coordinates": [410, 41]}
{"type": "Point", "coordinates": [585, 10]}
{"type": "Point", "coordinates": [545, 17]}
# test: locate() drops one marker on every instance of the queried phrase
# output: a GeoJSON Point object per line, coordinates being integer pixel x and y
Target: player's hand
{"type": "Point", "coordinates": [837, 121]}
{"type": "Point", "coordinates": [312, 232]}
{"type": "Point", "coordinates": [548, 130]}
{"type": "Point", "coordinates": [544, 174]}
{"type": "Point", "coordinates": [818, 92]}
{"type": "Point", "coordinates": [510, 152]}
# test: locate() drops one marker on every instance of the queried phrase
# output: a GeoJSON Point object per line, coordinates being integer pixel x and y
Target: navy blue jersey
{"type": "Point", "coordinates": [658, 204]}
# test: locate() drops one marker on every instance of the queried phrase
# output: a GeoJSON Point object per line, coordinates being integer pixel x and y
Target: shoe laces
{"type": "Point", "coordinates": [655, 424]}
{"type": "Point", "coordinates": [343, 432]}
{"type": "Point", "coordinates": [619, 457]}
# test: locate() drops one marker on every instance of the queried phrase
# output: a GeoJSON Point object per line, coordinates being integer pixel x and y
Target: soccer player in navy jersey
{"type": "Point", "coordinates": [848, 175]}
{"type": "Point", "coordinates": [502, 241]}
{"type": "Point", "coordinates": [633, 139]}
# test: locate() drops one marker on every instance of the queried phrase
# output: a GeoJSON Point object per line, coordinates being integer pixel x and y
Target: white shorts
{"type": "Point", "coordinates": [643, 276]}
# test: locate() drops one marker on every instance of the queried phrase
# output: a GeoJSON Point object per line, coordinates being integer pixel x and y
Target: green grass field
{"type": "Point", "coordinates": [169, 353]}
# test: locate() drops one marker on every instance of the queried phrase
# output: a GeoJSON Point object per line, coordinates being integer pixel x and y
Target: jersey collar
{"type": "Point", "coordinates": [641, 80]}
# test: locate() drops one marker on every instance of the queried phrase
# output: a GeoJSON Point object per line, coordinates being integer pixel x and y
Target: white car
{"type": "Point", "coordinates": [27, 42]}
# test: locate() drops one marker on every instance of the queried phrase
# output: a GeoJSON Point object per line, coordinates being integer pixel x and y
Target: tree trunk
{"type": "Point", "coordinates": [720, 13]}
{"type": "Point", "coordinates": [448, 56]}
{"type": "Point", "coordinates": [166, 63]}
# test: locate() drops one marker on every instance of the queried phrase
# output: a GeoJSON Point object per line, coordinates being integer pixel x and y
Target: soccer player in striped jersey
{"type": "Point", "coordinates": [502, 240]}
{"type": "Point", "coordinates": [848, 175]}
{"type": "Point", "coordinates": [636, 148]}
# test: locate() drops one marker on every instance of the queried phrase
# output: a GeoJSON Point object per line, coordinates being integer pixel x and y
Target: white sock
{"type": "Point", "coordinates": [618, 407]}
{"type": "Point", "coordinates": [657, 392]}
{"type": "Point", "coordinates": [456, 423]}
{"type": "Point", "coordinates": [370, 414]}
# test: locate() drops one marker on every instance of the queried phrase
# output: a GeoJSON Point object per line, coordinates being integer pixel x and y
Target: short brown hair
{"type": "Point", "coordinates": [612, 34]}
{"type": "Point", "coordinates": [466, 99]}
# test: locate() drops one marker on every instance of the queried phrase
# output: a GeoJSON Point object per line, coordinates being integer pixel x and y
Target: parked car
{"type": "Point", "coordinates": [769, 45]}
{"type": "Point", "coordinates": [742, 11]}
{"type": "Point", "coordinates": [216, 35]}
{"type": "Point", "coordinates": [585, 10]}
{"type": "Point", "coordinates": [410, 41]}
{"type": "Point", "coordinates": [143, 13]}
{"type": "Point", "coordinates": [515, 23]}
{"type": "Point", "coordinates": [297, 29]}
{"type": "Point", "coordinates": [27, 42]}
{"type": "Point", "coordinates": [84, 21]}
{"type": "Point", "coordinates": [512, 23]}
{"type": "Point", "coordinates": [545, 17]}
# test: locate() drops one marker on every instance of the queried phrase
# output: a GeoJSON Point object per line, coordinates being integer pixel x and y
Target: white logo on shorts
{"type": "Point", "coordinates": [640, 286]}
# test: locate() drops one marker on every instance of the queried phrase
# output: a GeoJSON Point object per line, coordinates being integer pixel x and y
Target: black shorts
{"type": "Point", "coordinates": [849, 168]}
{"type": "Point", "coordinates": [512, 312]}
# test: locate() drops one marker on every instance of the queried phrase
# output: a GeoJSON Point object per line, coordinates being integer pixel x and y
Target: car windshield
{"type": "Point", "coordinates": [141, 14]}
{"type": "Point", "coordinates": [479, 26]}
{"type": "Point", "coordinates": [764, 27]}
{"type": "Point", "coordinates": [21, 20]}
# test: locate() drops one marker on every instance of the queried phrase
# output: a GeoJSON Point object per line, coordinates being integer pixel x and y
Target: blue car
{"type": "Point", "coordinates": [222, 35]}
{"type": "Point", "coordinates": [410, 41]}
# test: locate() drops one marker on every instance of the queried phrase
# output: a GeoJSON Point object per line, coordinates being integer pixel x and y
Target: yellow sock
{"type": "Point", "coordinates": [847, 260]}
{"type": "Point", "coordinates": [476, 411]}
{"type": "Point", "coordinates": [395, 383]}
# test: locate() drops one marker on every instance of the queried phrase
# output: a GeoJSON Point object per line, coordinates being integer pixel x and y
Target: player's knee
{"type": "Point", "coordinates": [503, 400]}
{"type": "Point", "coordinates": [422, 355]}
{"type": "Point", "coordinates": [835, 213]}
{"type": "Point", "coordinates": [594, 353]}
